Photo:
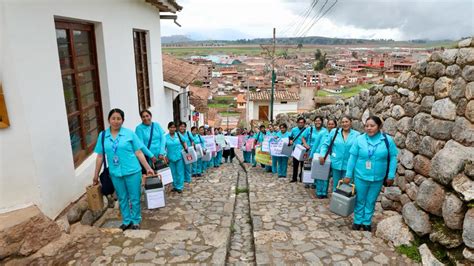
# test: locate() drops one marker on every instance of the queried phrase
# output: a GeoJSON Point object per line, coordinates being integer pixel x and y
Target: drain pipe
{"type": "Point", "coordinates": [173, 17]}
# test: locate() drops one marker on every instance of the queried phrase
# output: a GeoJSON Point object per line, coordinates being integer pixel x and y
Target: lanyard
{"type": "Point", "coordinates": [371, 148]}
{"type": "Point", "coordinates": [115, 144]}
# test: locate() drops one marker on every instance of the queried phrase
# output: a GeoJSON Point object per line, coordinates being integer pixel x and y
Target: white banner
{"type": "Point", "coordinates": [220, 139]}
{"type": "Point", "coordinates": [233, 142]}
{"type": "Point", "coordinates": [266, 143]}
{"type": "Point", "coordinates": [209, 143]}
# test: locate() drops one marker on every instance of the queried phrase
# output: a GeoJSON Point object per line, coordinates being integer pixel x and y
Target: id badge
{"type": "Point", "coordinates": [333, 154]}
{"type": "Point", "coordinates": [116, 160]}
{"type": "Point", "coordinates": [368, 165]}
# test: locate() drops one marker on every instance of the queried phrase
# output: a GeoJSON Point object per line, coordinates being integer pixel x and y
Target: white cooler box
{"type": "Point", "coordinates": [343, 200]}
{"type": "Point", "coordinates": [199, 151]}
{"type": "Point", "coordinates": [154, 193]}
{"type": "Point", "coordinates": [318, 171]}
{"type": "Point", "coordinates": [307, 179]}
{"type": "Point", "coordinates": [190, 156]}
{"type": "Point", "coordinates": [207, 157]}
{"type": "Point", "coordinates": [299, 153]}
{"type": "Point", "coordinates": [286, 150]}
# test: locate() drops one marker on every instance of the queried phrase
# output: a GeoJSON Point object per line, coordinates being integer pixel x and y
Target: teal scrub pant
{"type": "Point", "coordinates": [321, 187]}
{"type": "Point", "coordinates": [366, 196]}
{"type": "Point", "coordinates": [274, 164]}
{"type": "Point", "coordinates": [282, 165]}
{"type": "Point", "coordinates": [246, 156]}
{"type": "Point", "coordinates": [188, 168]}
{"type": "Point", "coordinates": [128, 189]}
{"type": "Point", "coordinates": [211, 162]}
{"type": "Point", "coordinates": [252, 158]}
{"type": "Point", "coordinates": [218, 161]}
{"type": "Point", "coordinates": [205, 165]}
{"type": "Point", "coordinates": [197, 167]}
{"type": "Point", "coordinates": [336, 176]}
{"type": "Point", "coordinates": [177, 170]}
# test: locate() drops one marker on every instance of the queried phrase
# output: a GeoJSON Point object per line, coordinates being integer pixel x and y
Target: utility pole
{"type": "Point", "coordinates": [271, 53]}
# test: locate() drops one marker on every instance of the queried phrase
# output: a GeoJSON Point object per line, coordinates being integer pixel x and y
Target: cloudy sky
{"type": "Point", "coordinates": [373, 19]}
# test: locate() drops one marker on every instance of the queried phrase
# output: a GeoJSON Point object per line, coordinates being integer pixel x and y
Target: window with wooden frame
{"type": "Point", "coordinates": [141, 69]}
{"type": "Point", "coordinates": [78, 61]}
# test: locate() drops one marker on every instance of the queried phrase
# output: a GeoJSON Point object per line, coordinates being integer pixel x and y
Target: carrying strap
{"type": "Point", "coordinates": [310, 136]}
{"type": "Point", "coordinates": [191, 139]}
{"type": "Point", "coordinates": [331, 144]}
{"type": "Point", "coordinates": [200, 139]}
{"type": "Point", "coordinates": [181, 141]}
{"type": "Point", "coordinates": [151, 135]}
{"type": "Point", "coordinates": [388, 155]}
{"type": "Point", "coordinates": [103, 150]}
{"type": "Point", "coordinates": [258, 136]}
{"type": "Point", "coordinates": [299, 134]}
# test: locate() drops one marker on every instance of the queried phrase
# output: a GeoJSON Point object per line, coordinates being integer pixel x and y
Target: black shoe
{"type": "Point", "coordinates": [135, 227]}
{"type": "Point", "coordinates": [293, 181]}
{"type": "Point", "coordinates": [313, 186]}
{"type": "Point", "coordinates": [174, 190]}
{"type": "Point", "coordinates": [179, 191]}
{"type": "Point", "coordinates": [367, 228]}
{"type": "Point", "coordinates": [306, 186]}
{"type": "Point", "coordinates": [124, 227]}
{"type": "Point", "coordinates": [356, 227]}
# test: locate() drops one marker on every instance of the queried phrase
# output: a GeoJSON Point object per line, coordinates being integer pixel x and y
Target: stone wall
{"type": "Point", "coordinates": [430, 113]}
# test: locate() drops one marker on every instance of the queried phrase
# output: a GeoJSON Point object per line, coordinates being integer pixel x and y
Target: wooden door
{"type": "Point", "coordinates": [263, 112]}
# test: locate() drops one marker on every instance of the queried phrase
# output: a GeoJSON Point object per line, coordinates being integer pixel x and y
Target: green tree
{"type": "Point", "coordinates": [300, 45]}
{"type": "Point", "coordinates": [197, 83]}
{"type": "Point", "coordinates": [320, 60]}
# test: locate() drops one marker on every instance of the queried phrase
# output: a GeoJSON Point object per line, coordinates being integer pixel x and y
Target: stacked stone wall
{"type": "Point", "coordinates": [429, 111]}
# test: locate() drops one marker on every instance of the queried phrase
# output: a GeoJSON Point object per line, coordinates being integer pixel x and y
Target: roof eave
{"type": "Point", "coordinates": [166, 5]}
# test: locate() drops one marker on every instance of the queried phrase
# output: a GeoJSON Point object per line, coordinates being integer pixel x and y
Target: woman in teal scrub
{"type": "Point", "coordinates": [152, 135]}
{"type": "Point", "coordinates": [313, 139]}
{"type": "Point", "coordinates": [322, 185]}
{"type": "Point", "coordinates": [282, 161]}
{"type": "Point", "coordinates": [368, 168]}
{"type": "Point", "coordinates": [197, 166]}
{"type": "Point", "coordinates": [124, 154]}
{"type": "Point", "coordinates": [188, 139]}
{"type": "Point", "coordinates": [173, 148]}
{"type": "Point", "coordinates": [339, 154]}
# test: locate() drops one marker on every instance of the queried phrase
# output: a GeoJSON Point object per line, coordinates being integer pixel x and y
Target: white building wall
{"type": "Point", "coordinates": [278, 108]}
{"type": "Point", "coordinates": [36, 164]}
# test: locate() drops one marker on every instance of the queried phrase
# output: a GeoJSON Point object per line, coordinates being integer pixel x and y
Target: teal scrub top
{"type": "Point", "coordinates": [186, 137]}
{"type": "Point", "coordinates": [294, 132]}
{"type": "Point", "coordinates": [126, 143]}
{"type": "Point", "coordinates": [283, 135]}
{"type": "Point", "coordinates": [173, 147]}
{"type": "Point", "coordinates": [197, 139]}
{"type": "Point", "coordinates": [157, 146]}
{"type": "Point", "coordinates": [260, 136]}
{"type": "Point", "coordinates": [359, 155]}
{"type": "Point", "coordinates": [315, 138]}
{"type": "Point", "coordinates": [340, 149]}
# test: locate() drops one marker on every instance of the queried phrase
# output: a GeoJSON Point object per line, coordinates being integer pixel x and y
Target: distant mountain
{"type": "Point", "coordinates": [176, 39]}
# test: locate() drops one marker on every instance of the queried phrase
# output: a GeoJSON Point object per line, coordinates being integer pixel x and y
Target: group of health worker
{"type": "Point", "coordinates": [366, 160]}
{"type": "Point", "coordinates": [130, 156]}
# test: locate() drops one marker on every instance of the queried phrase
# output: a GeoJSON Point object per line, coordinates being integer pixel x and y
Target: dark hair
{"type": "Point", "coordinates": [118, 111]}
{"type": "Point", "coordinates": [301, 119]}
{"type": "Point", "coordinates": [333, 120]}
{"type": "Point", "coordinates": [284, 125]}
{"type": "Point", "coordinates": [376, 119]}
{"type": "Point", "coordinates": [320, 118]}
{"type": "Point", "coordinates": [145, 111]}
{"type": "Point", "coordinates": [193, 128]}
{"type": "Point", "coordinates": [202, 127]}
{"type": "Point", "coordinates": [171, 124]}
{"type": "Point", "coordinates": [347, 117]}
{"type": "Point", "coordinates": [262, 126]}
{"type": "Point", "coordinates": [182, 123]}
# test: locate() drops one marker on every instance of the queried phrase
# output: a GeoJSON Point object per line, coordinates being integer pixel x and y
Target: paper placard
{"type": "Point", "coordinates": [241, 141]}
{"type": "Point", "coordinates": [262, 157]}
{"type": "Point", "coordinates": [250, 144]}
{"type": "Point", "coordinates": [232, 141]}
{"type": "Point", "coordinates": [276, 146]}
{"type": "Point", "coordinates": [307, 179]}
{"type": "Point", "coordinates": [209, 143]}
{"type": "Point", "coordinates": [266, 144]}
{"type": "Point", "coordinates": [220, 139]}
{"type": "Point", "coordinates": [166, 176]}
{"type": "Point", "coordinates": [155, 199]}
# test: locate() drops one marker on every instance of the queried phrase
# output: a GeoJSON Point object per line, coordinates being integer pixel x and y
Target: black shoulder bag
{"type": "Point", "coordinates": [182, 143]}
{"type": "Point", "coordinates": [107, 187]}
{"type": "Point", "coordinates": [388, 159]}
{"type": "Point", "coordinates": [331, 144]}
{"type": "Point", "coordinates": [301, 132]}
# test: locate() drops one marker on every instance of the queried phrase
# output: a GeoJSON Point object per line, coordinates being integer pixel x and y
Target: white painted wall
{"type": "Point", "coordinates": [278, 108]}
{"type": "Point", "coordinates": [36, 164]}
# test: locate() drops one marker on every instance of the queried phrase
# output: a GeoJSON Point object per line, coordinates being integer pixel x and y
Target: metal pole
{"type": "Point", "coordinates": [273, 78]}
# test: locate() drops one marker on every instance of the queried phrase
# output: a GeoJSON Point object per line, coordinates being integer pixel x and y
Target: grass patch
{"type": "Point", "coordinates": [346, 93]}
{"type": "Point", "coordinates": [410, 251]}
{"type": "Point", "coordinates": [225, 114]}
{"type": "Point", "coordinates": [239, 190]}
{"type": "Point", "coordinates": [232, 228]}
{"type": "Point", "coordinates": [218, 105]}
{"type": "Point", "coordinates": [251, 50]}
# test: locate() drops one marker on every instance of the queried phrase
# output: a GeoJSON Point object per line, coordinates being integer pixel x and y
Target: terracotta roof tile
{"type": "Point", "coordinates": [279, 96]}
{"type": "Point", "coordinates": [178, 72]}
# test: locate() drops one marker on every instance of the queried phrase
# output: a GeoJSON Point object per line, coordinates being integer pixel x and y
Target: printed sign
{"type": "Point", "coordinates": [266, 144]}
{"type": "Point", "coordinates": [276, 147]}
{"type": "Point", "coordinates": [220, 139]}
{"type": "Point", "coordinates": [233, 142]}
{"type": "Point", "coordinates": [209, 143]}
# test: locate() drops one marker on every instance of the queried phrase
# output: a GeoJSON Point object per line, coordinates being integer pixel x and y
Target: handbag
{"type": "Point", "coordinates": [148, 147]}
{"type": "Point", "coordinates": [107, 185]}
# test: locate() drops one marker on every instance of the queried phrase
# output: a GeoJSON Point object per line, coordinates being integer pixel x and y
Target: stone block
{"type": "Point", "coordinates": [416, 219]}
{"type": "Point", "coordinates": [453, 211]}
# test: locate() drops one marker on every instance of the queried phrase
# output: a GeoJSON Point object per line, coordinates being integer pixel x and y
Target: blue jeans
{"type": "Point", "coordinates": [128, 190]}
{"type": "Point", "coordinates": [366, 197]}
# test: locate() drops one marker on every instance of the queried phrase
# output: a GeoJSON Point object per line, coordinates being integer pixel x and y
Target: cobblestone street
{"type": "Point", "coordinates": [235, 215]}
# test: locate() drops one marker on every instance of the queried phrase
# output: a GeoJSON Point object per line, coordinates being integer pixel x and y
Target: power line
{"type": "Point", "coordinates": [303, 21]}
{"type": "Point", "coordinates": [298, 19]}
{"type": "Point", "coordinates": [316, 15]}
{"type": "Point", "coordinates": [316, 21]}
